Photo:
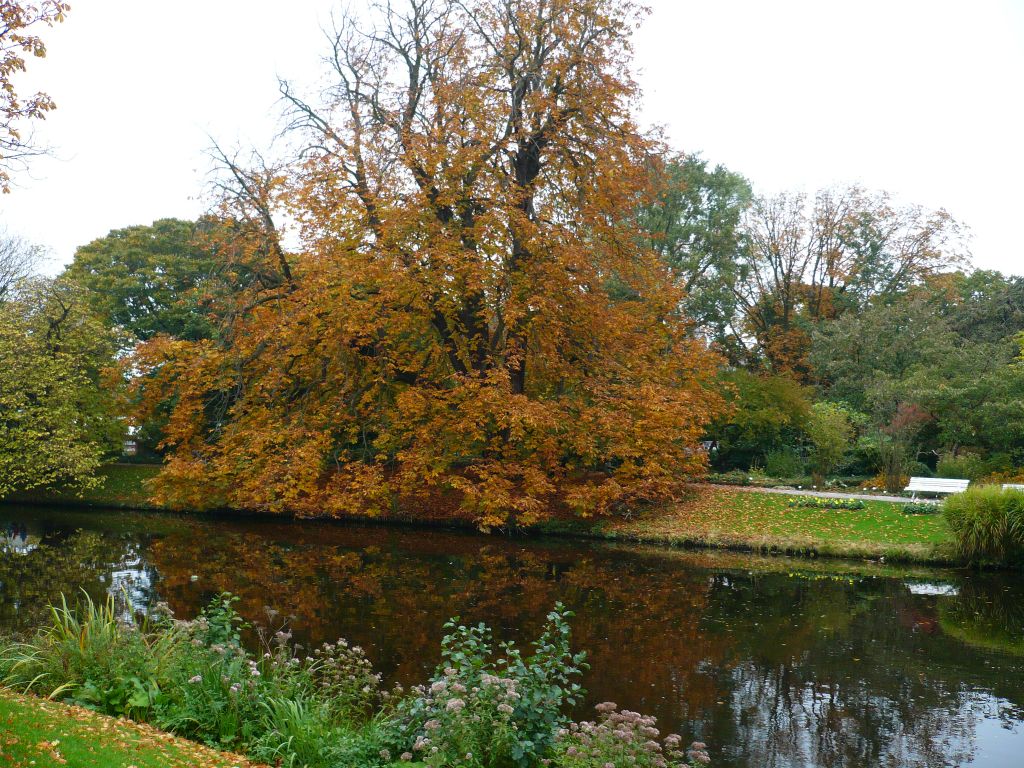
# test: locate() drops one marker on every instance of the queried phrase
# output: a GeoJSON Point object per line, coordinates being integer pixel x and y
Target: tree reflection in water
{"type": "Point", "coordinates": [769, 668]}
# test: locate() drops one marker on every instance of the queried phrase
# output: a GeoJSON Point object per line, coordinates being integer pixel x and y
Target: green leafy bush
{"type": "Point", "coordinates": [987, 524]}
{"type": "Point", "coordinates": [922, 508]}
{"type": "Point", "coordinates": [483, 709]}
{"type": "Point", "coordinates": [93, 657]}
{"type": "Point", "coordinates": [196, 679]}
{"type": "Point", "coordinates": [784, 463]}
{"type": "Point", "coordinates": [732, 477]}
{"type": "Point", "coordinates": [966, 465]}
{"type": "Point", "coordinates": [487, 706]}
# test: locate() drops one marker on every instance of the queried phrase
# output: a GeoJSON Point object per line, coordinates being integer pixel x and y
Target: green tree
{"type": "Point", "coordinates": [861, 357]}
{"type": "Point", "coordinates": [830, 433]}
{"type": "Point", "coordinates": [976, 397]}
{"type": "Point", "coordinates": [148, 279]}
{"type": "Point", "coordinates": [983, 306]}
{"type": "Point", "coordinates": [694, 224]}
{"type": "Point", "coordinates": [768, 413]}
{"type": "Point", "coordinates": [56, 415]}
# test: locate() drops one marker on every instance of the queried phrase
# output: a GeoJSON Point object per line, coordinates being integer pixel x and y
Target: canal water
{"type": "Point", "coordinates": [774, 662]}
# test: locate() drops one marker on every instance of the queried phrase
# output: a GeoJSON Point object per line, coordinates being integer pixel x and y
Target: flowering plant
{"type": "Point", "coordinates": [814, 502]}
{"type": "Point", "coordinates": [623, 739]}
{"type": "Point", "coordinates": [479, 710]}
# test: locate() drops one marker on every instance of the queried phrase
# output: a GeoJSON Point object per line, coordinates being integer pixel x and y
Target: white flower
{"type": "Point", "coordinates": [196, 679]}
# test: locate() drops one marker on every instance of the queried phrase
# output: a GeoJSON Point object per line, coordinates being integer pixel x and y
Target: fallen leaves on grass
{"type": "Point", "coordinates": [37, 733]}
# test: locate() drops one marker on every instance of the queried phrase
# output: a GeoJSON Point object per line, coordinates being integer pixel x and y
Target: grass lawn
{"type": "Point", "coordinates": [720, 516]}
{"type": "Point", "coordinates": [44, 734]}
{"type": "Point", "coordinates": [122, 485]}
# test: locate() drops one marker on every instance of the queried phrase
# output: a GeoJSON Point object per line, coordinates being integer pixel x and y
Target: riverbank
{"type": "Point", "coordinates": [709, 516]}
{"type": "Point", "coordinates": [741, 519]}
{"type": "Point", "coordinates": [44, 734]}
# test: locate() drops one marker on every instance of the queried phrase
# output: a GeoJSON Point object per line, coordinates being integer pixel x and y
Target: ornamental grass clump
{"type": "Point", "coordinates": [987, 524]}
{"type": "Point", "coordinates": [623, 739]}
{"type": "Point", "coordinates": [94, 657]}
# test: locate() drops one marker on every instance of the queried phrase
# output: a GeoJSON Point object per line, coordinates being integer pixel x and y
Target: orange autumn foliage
{"type": "Point", "coordinates": [469, 313]}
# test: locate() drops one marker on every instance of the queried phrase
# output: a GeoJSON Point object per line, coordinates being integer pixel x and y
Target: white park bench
{"type": "Point", "coordinates": [936, 485]}
{"type": "Point", "coordinates": [1013, 486]}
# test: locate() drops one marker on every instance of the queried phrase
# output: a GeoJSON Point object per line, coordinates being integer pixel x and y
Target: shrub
{"type": "Point", "coordinates": [487, 706]}
{"type": "Point", "coordinates": [784, 463]}
{"type": "Point", "coordinates": [196, 679]}
{"type": "Point", "coordinates": [966, 465]}
{"type": "Point", "coordinates": [732, 477]}
{"type": "Point", "coordinates": [622, 739]}
{"type": "Point", "coordinates": [987, 524]}
{"type": "Point", "coordinates": [830, 432]}
{"type": "Point", "coordinates": [922, 508]}
{"type": "Point", "coordinates": [479, 710]}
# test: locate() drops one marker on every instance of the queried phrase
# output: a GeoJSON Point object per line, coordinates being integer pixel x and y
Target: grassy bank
{"type": "Point", "coordinates": [717, 516]}
{"type": "Point", "coordinates": [39, 733]}
{"type": "Point", "coordinates": [121, 486]}
{"type": "Point", "coordinates": [710, 516]}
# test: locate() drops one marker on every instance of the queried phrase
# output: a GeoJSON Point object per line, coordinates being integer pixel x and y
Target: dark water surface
{"type": "Point", "coordinates": [772, 662]}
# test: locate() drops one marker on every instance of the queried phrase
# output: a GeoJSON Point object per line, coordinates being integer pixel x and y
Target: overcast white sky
{"type": "Point", "coordinates": [924, 98]}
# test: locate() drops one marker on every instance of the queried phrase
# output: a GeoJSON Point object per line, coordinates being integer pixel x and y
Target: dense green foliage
{"type": "Point", "coordinates": [487, 706]}
{"type": "Point", "coordinates": [987, 524]}
{"type": "Point", "coordinates": [695, 225]}
{"type": "Point", "coordinates": [58, 419]}
{"type": "Point", "coordinates": [924, 390]}
{"type": "Point", "coordinates": [148, 279]}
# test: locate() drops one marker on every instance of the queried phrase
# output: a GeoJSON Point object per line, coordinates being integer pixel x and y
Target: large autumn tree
{"type": "Point", "coordinates": [468, 315]}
